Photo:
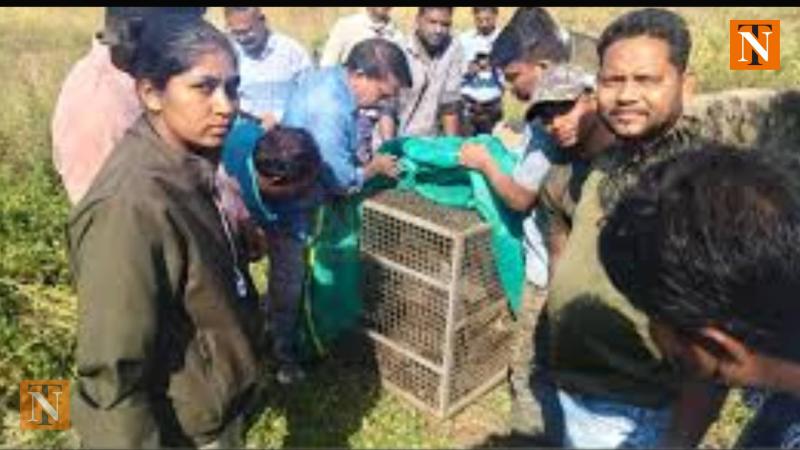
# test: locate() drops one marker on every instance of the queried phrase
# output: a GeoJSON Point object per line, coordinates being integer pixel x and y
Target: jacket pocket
{"type": "Point", "coordinates": [194, 393]}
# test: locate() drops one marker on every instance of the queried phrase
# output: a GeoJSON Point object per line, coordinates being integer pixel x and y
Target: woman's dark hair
{"type": "Point", "coordinates": [289, 154]}
{"type": "Point", "coordinates": [123, 28]}
{"type": "Point", "coordinates": [652, 22]}
{"type": "Point", "coordinates": [170, 44]}
{"type": "Point", "coordinates": [712, 238]}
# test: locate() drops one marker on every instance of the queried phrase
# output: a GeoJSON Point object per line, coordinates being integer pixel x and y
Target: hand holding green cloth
{"type": "Point", "coordinates": [431, 169]}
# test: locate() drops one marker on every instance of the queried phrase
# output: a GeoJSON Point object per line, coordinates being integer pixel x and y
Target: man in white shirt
{"type": "Point", "coordinates": [482, 86]}
{"type": "Point", "coordinates": [269, 62]}
{"type": "Point", "coordinates": [350, 30]}
{"type": "Point", "coordinates": [431, 107]}
{"type": "Point", "coordinates": [480, 38]}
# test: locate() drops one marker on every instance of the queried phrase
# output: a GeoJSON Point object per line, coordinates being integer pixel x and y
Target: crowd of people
{"type": "Point", "coordinates": [660, 265]}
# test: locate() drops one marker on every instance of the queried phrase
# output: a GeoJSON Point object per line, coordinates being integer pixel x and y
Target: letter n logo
{"type": "Point", "coordinates": [44, 405]}
{"type": "Point", "coordinates": [755, 44]}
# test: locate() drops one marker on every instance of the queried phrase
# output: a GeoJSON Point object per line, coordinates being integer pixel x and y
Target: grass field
{"type": "Point", "coordinates": [342, 404]}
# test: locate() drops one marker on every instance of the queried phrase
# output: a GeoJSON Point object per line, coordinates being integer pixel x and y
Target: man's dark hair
{"type": "Point", "coordinates": [423, 9]}
{"type": "Point", "coordinates": [171, 44]}
{"type": "Point", "coordinates": [480, 9]}
{"type": "Point", "coordinates": [289, 153]}
{"type": "Point", "coordinates": [652, 22]}
{"type": "Point", "coordinates": [531, 35]}
{"type": "Point", "coordinates": [712, 238]}
{"type": "Point", "coordinates": [378, 58]}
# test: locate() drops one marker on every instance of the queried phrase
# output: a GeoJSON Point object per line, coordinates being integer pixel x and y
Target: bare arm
{"type": "Point", "coordinates": [559, 226]}
{"type": "Point", "coordinates": [381, 164]}
{"type": "Point", "coordinates": [387, 128]}
{"type": "Point", "coordinates": [516, 197]}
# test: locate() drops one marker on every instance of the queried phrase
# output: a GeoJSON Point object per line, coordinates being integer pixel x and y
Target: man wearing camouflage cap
{"type": "Point", "coordinates": [530, 44]}
{"type": "Point", "coordinates": [566, 106]}
{"type": "Point", "coordinates": [561, 104]}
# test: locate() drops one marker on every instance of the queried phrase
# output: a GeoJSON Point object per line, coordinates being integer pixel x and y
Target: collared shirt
{"type": "Point", "coordinates": [350, 30]}
{"type": "Point", "coordinates": [436, 84]}
{"type": "Point", "coordinates": [95, 107]}
{"type": "Point", "coordinates": [268, 78]}
{"type": "Point", "coordinates": [474, 42]}
{"type": "Point", "coordinates": [323, 104]}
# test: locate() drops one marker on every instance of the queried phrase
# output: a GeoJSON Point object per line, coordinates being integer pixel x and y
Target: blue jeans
{"type": "Point", "coordinates": [593, 422]}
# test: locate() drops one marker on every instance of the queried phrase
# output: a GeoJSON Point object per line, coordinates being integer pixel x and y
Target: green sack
{"type": "Point", "coordinates": [333, 259]}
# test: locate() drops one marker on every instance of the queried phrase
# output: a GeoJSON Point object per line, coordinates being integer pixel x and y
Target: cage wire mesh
{"type": "Point", "coordinates": [433, 303]}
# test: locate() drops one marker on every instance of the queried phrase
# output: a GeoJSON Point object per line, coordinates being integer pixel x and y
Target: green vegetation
{"type": "Point", "coordinates": [342, 403]}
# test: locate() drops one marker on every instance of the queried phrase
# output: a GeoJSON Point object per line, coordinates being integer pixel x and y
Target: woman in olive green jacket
{"type": "Point", "coordinates": [166, 332]}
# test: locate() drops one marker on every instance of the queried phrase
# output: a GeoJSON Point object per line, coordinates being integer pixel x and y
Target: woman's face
{"type": "Point", "coordinates": [196, 108]}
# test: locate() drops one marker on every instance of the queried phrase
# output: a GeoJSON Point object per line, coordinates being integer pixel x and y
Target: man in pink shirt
{"type": "Point", "coordinates": [98, 101]}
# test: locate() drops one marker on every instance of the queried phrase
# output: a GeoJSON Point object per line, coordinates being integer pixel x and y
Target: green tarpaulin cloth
{"type": "Point", "coordinates": [430, 168]}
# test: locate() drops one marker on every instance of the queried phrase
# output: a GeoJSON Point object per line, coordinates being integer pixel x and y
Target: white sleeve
{"type": "Point", "coordinates": [530, 171]}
